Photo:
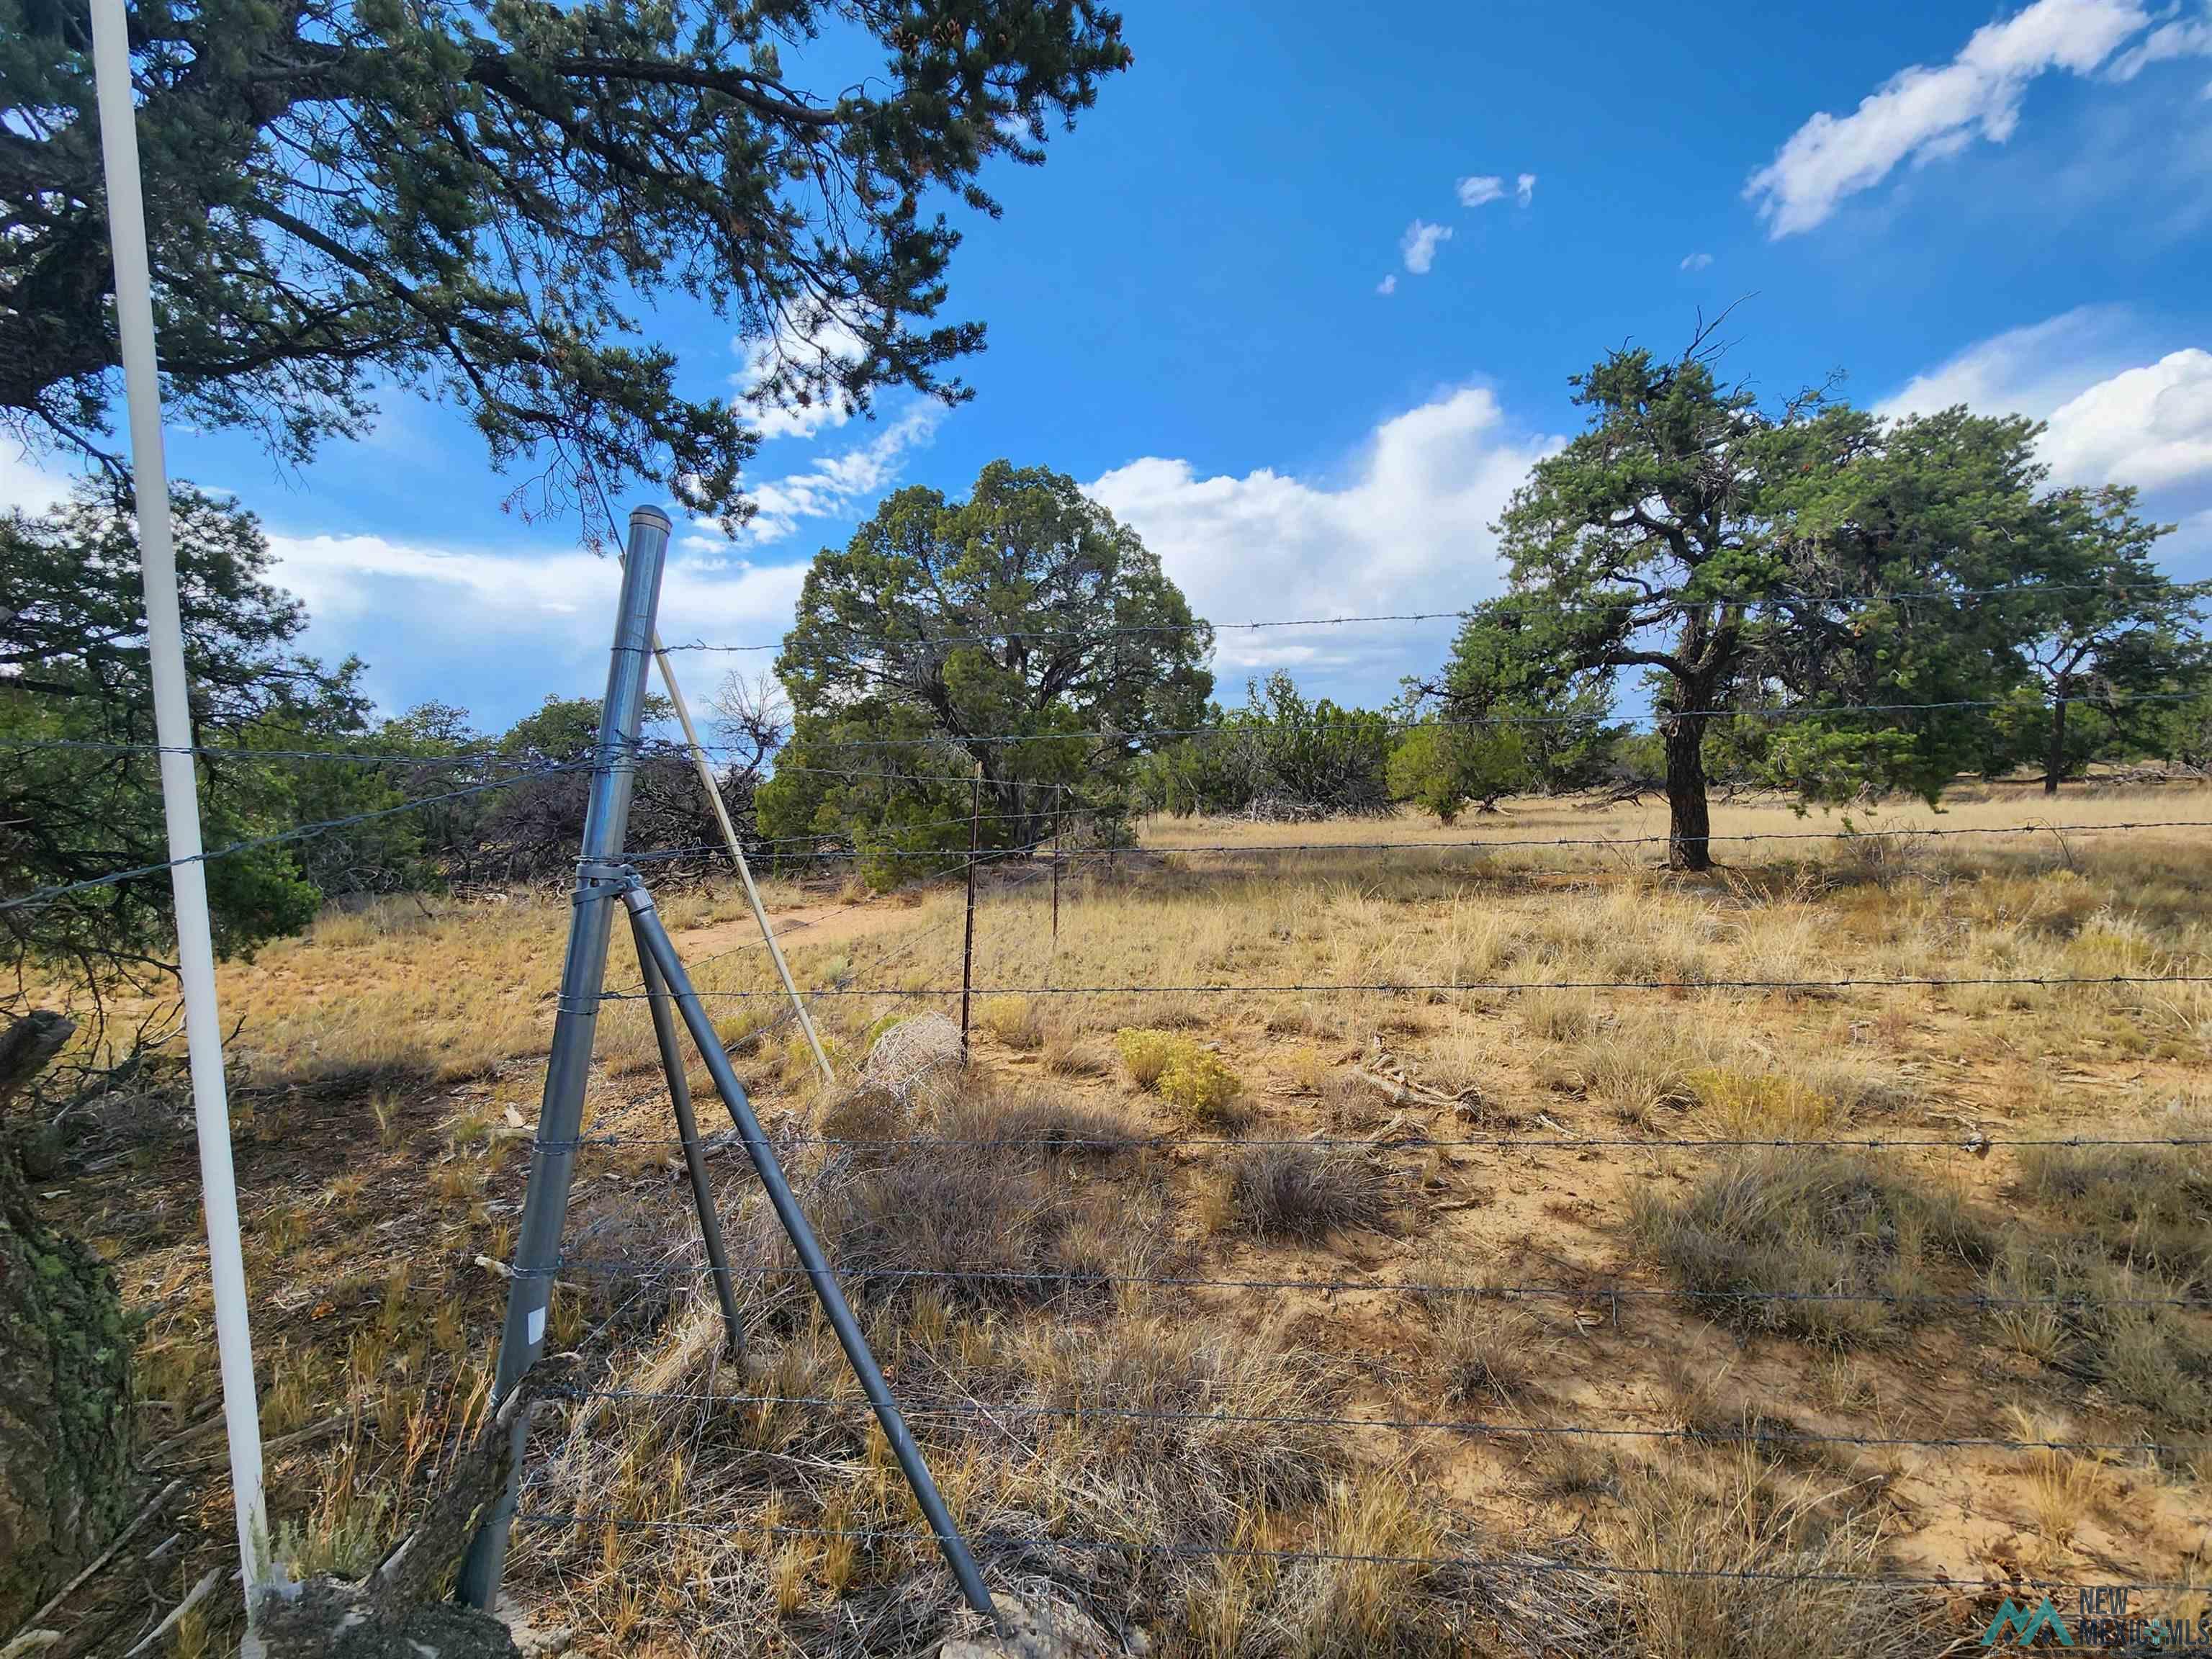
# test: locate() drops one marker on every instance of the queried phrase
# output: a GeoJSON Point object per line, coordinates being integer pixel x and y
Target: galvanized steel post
{"type": "Point", "coordinates": [568, 1069]}
{"type": "Point", "coordinates": [687, 1128]}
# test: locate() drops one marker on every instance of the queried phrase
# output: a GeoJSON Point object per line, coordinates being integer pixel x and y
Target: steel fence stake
{"type": "Point", "coordinates": [567, 1068]}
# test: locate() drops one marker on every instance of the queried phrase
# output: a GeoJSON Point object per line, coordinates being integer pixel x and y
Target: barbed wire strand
{"type": "Point", "coordinates": [1502, 602]}
{"type": "Point", "coordinates": [1600, 1290]}
{"type": "Point", "coordinates": [1500, 1565]}
{"type": "Point", "coordinates": [1750, 1433]}
{"type": "Point", "coordinates": [1476, 844]}
{"type": "Point", "coordinates": [1413, 1140]}
{"type": "Point", "coordinates": [1146, 734]}
{"type": "Point", "coordinates": [41, 896]}
{"type": "Point", "coordinates": [1490, 986]}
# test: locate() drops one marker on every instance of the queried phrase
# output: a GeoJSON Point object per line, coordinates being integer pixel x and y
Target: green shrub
{"type": "Point", "coordinates": [1147, 1050]}
{"type": "Point", "coordinates": [1201, 1086]}
{"type": "Point", "coordinates": [1196, 1081]}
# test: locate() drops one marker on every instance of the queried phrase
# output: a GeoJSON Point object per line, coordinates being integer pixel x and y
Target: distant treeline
{"type": "Point", "coordinates": [1282, 756]}
{"type": "Point", "coordinates": [80, 792]}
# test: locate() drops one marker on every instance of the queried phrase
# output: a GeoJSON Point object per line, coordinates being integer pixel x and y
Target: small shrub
{"type": "Point", "coordinates": [1071, 1053]}
{"type": "Point", "coordinates": [1371, 1600]}
{"type": "Point", "coordinates": [1558, 1016]}
{"type": "Point", "coordinates": [1751, 1104]}
{"type": "Point", "coordinates": [1212, 1424]}
{"type": "Point", "coordinates": [868, 1120]}
{"type": "Point", "coordinates": [2147, 1205]}
{"type": "Point", "coordinates": [1704, 1543]}
{"type": "Point", "coordinates": [1202, 1086]}
{"type": "Point", "coordinates": [1634, 1076]}
{"type": "Point", "coordinates": [1196, 1081]}
{"type": "Point", "coordinates": [1146, 1051]}
{"type": "Point", "coordinates": [1304, 1192]}
{"type": "Point", "coordinates": [1053, 1124]}
{"type": "Point", "coordinates": [966, 1202]}
{"type": "Point", "coordinates": [2029, 1327]}
{"type": "Point", "coordinates": [2111, 1325]}
{"type": "Point", "coordinates": [1017, 1022]}
{"type": "Point", "coordinates": [1481, 1347]}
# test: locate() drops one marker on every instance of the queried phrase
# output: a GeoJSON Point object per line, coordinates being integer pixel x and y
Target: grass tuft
{"type": "Point", "coordinates": [1826, 1247]}
{"type": "Point", "coordinates": [1304, 1192]}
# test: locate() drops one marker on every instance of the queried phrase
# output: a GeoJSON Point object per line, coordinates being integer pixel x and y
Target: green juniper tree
{"type": "Point", "coordinates": [80, 798]}
{"type": "Point", "coordinates": [942, 629]}
{"type": "Point", "coordinates": [1281, 752]}
{"type": "Point", "coordinates": [2106, 632]}
{"type": "Point", "coordinates": [1803, 575]}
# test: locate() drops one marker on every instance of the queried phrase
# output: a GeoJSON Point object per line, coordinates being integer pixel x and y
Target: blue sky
{"type": "Point", "coordinates": [2008, 207]}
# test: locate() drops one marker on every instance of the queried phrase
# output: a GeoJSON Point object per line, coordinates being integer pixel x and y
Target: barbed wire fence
{"type": "Point", "coordinates": [1035, 1546]}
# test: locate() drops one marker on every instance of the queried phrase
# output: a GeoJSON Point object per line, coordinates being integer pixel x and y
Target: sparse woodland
{"type": "Point", "coordinates": [1686, 1133]}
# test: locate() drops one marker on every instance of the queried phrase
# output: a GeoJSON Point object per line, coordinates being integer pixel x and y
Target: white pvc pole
{"type": "Point", "coordinates": [738, 854]}
{"type": "Point", "coordinates": [173, 726]}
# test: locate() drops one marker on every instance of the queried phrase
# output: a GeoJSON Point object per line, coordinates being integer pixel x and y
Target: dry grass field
{"type": "Point", "coordinates": [1453, 1215]}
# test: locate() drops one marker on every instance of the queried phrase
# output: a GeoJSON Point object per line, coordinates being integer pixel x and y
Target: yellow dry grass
{"type": "Point", "coordinates": [1430, 1003]}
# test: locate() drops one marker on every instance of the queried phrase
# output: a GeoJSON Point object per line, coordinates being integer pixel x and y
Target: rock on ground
{"type": "Point", "coordinates": [1037, 1629]}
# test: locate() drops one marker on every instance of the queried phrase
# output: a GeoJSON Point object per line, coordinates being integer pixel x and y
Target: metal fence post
{"type": "Point", "coordinates": [968, 935]}
{"type": "Point", "coordinates": [567, 1068]}
{"type": "Point", "coordinates": [695, 1156]}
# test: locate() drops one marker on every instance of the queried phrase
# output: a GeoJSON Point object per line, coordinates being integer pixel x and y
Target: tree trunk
{"type": "Point", "coordinates": [1690, 828]}
{"type": "Point", "coordinates": [64, 1402]}
{"type": "Point", "coordinates": [2054, 760]}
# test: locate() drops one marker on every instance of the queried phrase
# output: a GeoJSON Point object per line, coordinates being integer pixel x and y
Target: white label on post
{"type": "Point", "coordinates": [537, 1326]}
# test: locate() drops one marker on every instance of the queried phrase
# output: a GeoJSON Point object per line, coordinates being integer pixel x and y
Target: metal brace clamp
{"type": "Point", "coordinates": [603, 877]}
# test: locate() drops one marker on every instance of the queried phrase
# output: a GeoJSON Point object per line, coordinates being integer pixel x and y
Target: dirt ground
{"type": "Point", "coordinates": [1514, 1063]}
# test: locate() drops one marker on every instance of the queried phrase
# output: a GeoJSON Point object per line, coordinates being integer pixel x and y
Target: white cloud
{"type": "Point", "coordinates": [1697, 261]}
{"type": "Point", "coordinates": [1420, 245]}
{"type": "Point", "coordinates": [826, 341]}
{"type": "Point", "coordinates": [2150, 427]}
{"type": "Point", "coordinates": [2113, 417]}
{"type": "Point", "coordinates": [1389, 284]}
{"type": "Point", "coordinates": [1408, 530]}
{"type": "Point", "coordinates": [837, 485]}
{"type": "Point", "coordinates": [1922, 113]}
{"type": "Point", "coordinates": [2029, 370]}
{"type": "Point", "coordinates": [563, 592]}
{"type": "Point", "coordinates": [1479, 189]}
{"type": "Point", "coordinates": [28, 485]}
{"type": "Point", "coordinates": [1524, 189]}
{"type": "Point", "coordinates": [497, 630]}
{"type": "Point", "coordinates": [2181, 37]}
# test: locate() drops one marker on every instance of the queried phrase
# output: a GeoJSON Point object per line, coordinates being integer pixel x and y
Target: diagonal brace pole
{"type": "Point", "coordinates": [646, 919]}
{"type": "Point", "coordinates": [687, 1127]}
{"type": "Point", "coordinates": [705, 772]}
